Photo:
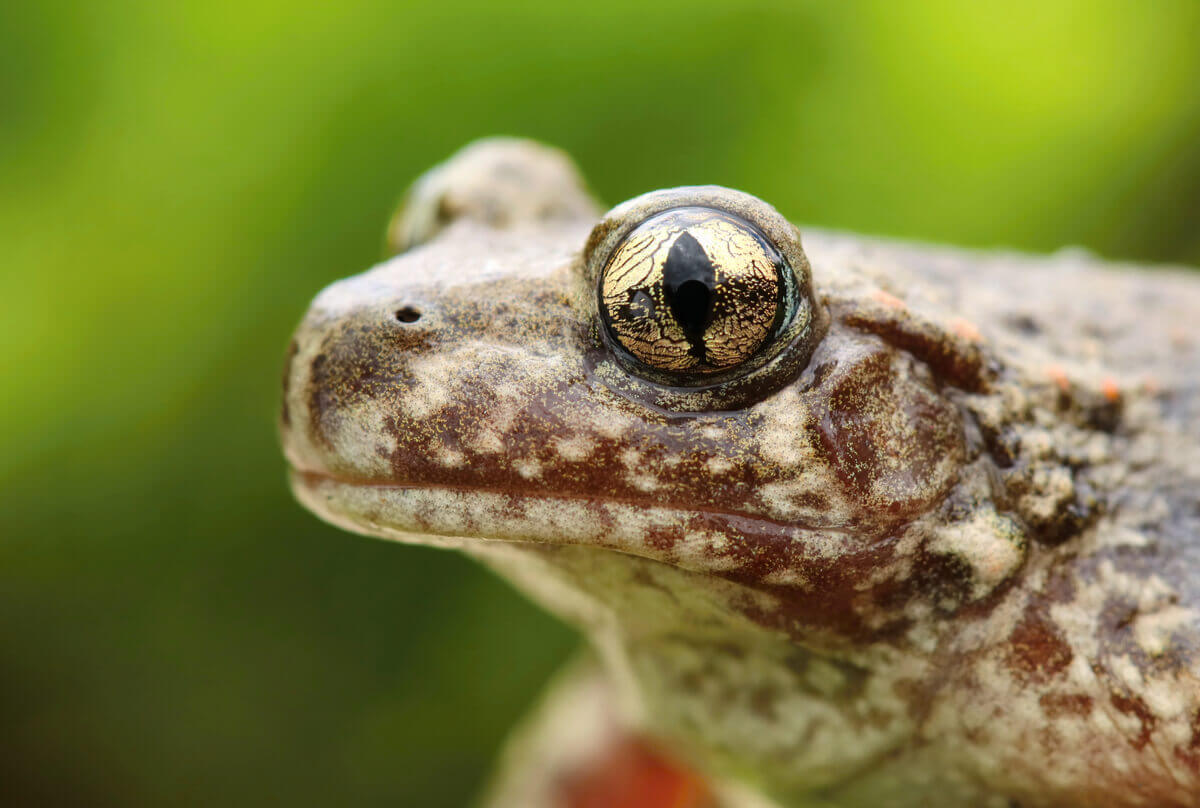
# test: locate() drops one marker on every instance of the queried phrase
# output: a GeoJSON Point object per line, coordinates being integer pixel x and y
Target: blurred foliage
{"type": "Point", "coordinates": [178, 179]}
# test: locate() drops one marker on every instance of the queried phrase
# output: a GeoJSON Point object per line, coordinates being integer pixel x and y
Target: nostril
{"type": "Point", "coordinates": [408, 314]}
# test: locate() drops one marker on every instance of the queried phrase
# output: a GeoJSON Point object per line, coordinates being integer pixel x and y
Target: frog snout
{"type": "Point", "coordinates": [348, 368]}
{"type": "Point", "coordinates": [299, 428]}
{"type": "Point", "coordinates": [425, 339]}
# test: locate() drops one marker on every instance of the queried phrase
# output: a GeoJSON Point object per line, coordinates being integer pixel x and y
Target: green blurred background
{"type": "Point", "coordinates": [178, 179]}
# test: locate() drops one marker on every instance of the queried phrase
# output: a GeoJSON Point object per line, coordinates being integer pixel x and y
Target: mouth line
{"type": "Point", "coordinates": [727, 544]}
{"type": "Point", "coordinates": [313, 478]}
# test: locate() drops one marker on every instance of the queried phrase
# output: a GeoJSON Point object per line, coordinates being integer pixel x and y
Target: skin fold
{"type": "Point", "coordinates": [924, 531]}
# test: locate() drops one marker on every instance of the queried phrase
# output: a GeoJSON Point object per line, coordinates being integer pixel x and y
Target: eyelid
{"type": "Point", "coordinates": [616, 224]}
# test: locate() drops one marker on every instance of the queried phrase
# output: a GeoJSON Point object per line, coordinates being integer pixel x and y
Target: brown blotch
{"type": "Point", "coordinates": [1058, 705]}
{"type": "Point", "coordinates": [1036, 651]}
{"type": "Point", "coordinates": [837, 600]}
{"type": "Point", "coordinates": [321, 398]}
{"type": "Point", "coordinates": [1132, 705]}
{"type": "Point", "coordinates": [1060, 585]}
{"type": "Point", "coordinates": [662, 539]}
{"type": "Point", "coordinates": [1188, 758]}
{"type": "Point", "coordinates": [1189, 755]}
{"type": "Point", "coordinates": [812, 500]}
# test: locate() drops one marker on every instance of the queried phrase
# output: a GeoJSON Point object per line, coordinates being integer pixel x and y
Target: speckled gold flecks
{"type": "Point", "coordinates": [748, 292]}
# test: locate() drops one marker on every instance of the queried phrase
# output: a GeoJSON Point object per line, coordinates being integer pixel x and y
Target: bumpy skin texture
{"type": "Point", "coordinates": [943, 549]}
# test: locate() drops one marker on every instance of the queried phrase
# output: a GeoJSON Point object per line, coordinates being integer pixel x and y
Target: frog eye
{"type": "Point", "coordinates": [695, 290]}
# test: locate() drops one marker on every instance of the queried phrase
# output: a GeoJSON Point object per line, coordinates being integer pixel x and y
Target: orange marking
{"type": "Point", "coordinates": [1059, 377]}
{"type": "Point", "coordinates": [632, 775]}
{"type": "Point", "coordinates": [1151, 385]}
{"type": "Point", "coordinates": [1108, 386]}
{"type": "Point", "coordinates": [888, 299]}
{"type": "Point", "coordinates": [965, 329]}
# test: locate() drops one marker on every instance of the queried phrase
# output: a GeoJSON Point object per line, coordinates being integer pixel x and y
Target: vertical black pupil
{"type": "Point", "coordinates": [688, 279]}
{"type": "Point", "coordinates": [691, 305]}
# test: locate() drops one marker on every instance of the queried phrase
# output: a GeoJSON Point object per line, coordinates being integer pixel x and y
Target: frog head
{"type": "Point", "coordinates": [517, 373]}
{"type": "Point", "coordinates": [783, 490]}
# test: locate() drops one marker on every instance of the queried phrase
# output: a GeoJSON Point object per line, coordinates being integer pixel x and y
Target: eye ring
{"type": "Point", "coordinates": [699, 286]}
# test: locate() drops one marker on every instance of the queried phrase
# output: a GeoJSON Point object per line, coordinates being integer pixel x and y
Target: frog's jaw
{"type": "Point", "coordinates": [690, 654]}
{"type": "Point", "coordinates": [793, 569]}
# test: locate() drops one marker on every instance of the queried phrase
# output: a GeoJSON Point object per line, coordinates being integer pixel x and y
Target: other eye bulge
{"type": "Point", "coordinates": [693, 290]}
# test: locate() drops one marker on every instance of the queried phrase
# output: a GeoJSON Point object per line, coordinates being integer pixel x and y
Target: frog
{"type": "Point", "coordinates": [846, 521]}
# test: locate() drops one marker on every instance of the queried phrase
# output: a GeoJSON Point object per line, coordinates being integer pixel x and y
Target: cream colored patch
{"type": "Point", "coordinates": [631, 459]}
{"type": "Point", "coordinates": [450, 458]}
{"type": "Point", "coordinates": [695, 546]}
{"type": "Point", "coordinates": [991, 545]}
{"type": "Point", "coordinates": [643, 481]}
{"type": "Point", "coordinates": [784, 576]}
{"type": "Point", "coordinates": [1153, 632]}
{"type": "Point", "coordinates": [486, 442]}
{"type": "Point", "coordinates": [576, 448]}
{"type": "Point", "coordinates": [528, 468]}
{"type": "Point", "coordinates": [614, 425]}
{"type": "Point", "coordinates": [781, 442]}
{"type": "Point", "coordinates": [787, 500]}
{"type": "Point", "coordinates": [358, 427]}
{"type": "Point", "coordinates": [718, 465]}
{"type": "Point", "coordinates": [1117, 536]}
{"type": "Point", "coordinates": [427, 395]}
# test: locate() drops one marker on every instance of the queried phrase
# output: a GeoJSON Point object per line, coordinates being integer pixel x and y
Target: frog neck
{"type": "Point", "coordinates": [691, 668]}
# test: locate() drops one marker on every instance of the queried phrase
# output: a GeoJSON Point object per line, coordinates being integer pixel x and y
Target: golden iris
{"type": "Point", "coordinates": [694, 290]}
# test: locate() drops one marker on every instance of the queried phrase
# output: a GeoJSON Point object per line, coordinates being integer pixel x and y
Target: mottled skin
{"type": "Point", "coordinates": [944, 550]}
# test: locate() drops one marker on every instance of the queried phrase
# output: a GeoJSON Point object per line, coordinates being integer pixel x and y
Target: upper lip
{"type": "Point", "coordinates": [313, 476]}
